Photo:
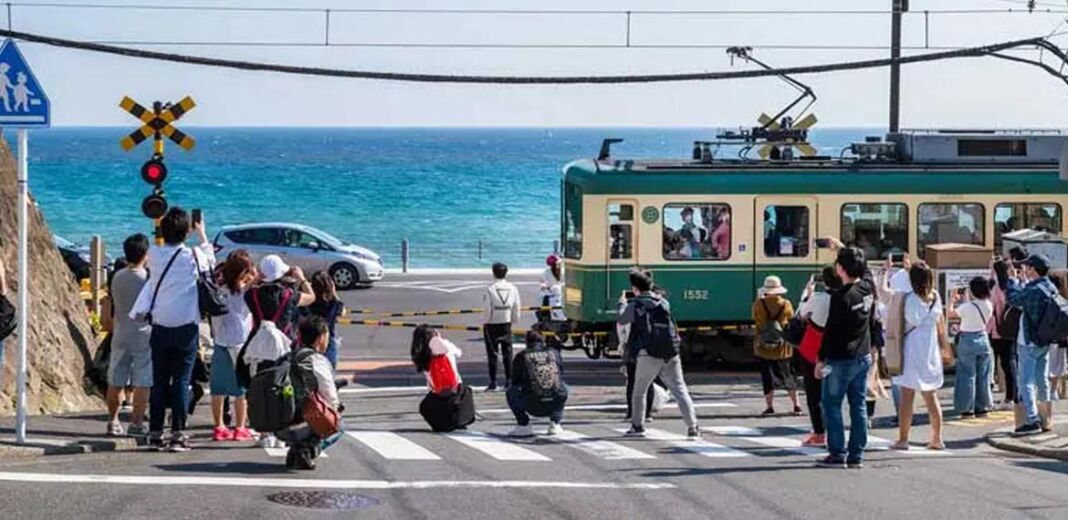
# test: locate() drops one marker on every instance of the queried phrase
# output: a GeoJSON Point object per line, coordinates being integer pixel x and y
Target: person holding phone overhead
{"type": "Point", "coordinates": [975, 357]}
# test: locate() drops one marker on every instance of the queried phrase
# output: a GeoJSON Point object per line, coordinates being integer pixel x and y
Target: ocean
{"type": "Point", "coordinates": [444, 189]}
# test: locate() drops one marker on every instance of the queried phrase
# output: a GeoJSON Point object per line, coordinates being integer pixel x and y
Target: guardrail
{"type": "Point", "coordinates": [479, 251]}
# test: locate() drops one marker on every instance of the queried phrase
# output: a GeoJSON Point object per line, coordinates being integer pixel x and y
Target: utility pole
{"type": "Point", "coordinates": [898, 7]}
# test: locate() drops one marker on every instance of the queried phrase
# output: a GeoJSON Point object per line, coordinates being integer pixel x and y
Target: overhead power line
{"type": "Point", "coordinates": [985, 50]}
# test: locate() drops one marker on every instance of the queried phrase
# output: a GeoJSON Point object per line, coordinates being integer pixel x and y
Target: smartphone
{"type": "Point", "coordinates": [628, 295]}
{"type": "Point", "coordinates": [823, 243]}
{"type": "Point", "coordinates": [962, 290]}
{"type": "Point", "coordinates": [196, 216]}
{"type": "Point", "coordinates": [897, 259]}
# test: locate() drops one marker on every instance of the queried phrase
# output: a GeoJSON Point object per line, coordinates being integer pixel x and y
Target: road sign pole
{"type": "Point", "coordinates": [24, 286]}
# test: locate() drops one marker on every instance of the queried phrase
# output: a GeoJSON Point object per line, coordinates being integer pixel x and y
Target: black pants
{"type": "Point", "coordinates": [813, 396]}
{"type": "Point", "coordinates": [631, 369]}
{"type": "Point", "coordinates": [498, 336]}
{"type": "Point", "coordinates": [1005, 350]}
{"type": "Point", "coordinates": [174, 351]}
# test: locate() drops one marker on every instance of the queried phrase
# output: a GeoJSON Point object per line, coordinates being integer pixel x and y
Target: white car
{"type": "Point", "coordinates": [306, 247]}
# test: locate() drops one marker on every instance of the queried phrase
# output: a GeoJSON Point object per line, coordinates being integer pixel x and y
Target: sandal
{"type": "Point", "coordinates": [936, 447]}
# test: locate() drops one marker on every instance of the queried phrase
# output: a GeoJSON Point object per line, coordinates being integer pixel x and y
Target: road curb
{"type": "Point", "coordinates": [38, 449]}
{"type": "Point", "coordinates": [1003, 440]}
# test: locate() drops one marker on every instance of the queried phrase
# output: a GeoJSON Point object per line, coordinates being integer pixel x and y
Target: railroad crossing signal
{"type": "Point", "coordinates": [787, 124]}
{"type": "Point", "coordinates": [157, 122]}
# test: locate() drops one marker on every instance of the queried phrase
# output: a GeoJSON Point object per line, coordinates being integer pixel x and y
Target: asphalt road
{"type": "Point", "coordinates": [746, 466]}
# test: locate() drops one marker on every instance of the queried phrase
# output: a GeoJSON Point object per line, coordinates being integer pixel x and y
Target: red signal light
{"type": "Point", "coordinates": [154, 171]}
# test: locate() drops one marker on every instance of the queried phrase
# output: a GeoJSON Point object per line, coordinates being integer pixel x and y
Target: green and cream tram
{"type": "Point", "coordinates": [711, 229]}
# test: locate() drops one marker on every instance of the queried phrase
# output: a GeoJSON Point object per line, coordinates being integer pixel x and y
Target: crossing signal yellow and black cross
{"type": "Point", "coordinates": [158, 122]}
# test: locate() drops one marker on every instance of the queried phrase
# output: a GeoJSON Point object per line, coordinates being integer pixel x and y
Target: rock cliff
{"type": "Point", "coordinates": [61, 342]}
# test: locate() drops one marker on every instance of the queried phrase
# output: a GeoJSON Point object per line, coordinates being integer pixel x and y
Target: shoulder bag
{"type": "Point", "coordinates": [211, 300]}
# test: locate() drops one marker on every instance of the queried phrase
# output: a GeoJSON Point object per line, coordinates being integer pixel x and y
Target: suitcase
{"type": "Point", "coordinates": [448, 412]}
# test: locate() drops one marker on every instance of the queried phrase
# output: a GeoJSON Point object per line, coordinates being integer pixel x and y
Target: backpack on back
{"type": "Point", "coordinates": [442, 375]}
{"type": "Point", "coordinates": [656, 331]}
{"type": "Point", "coordinates": [771, 332]}
{"type": "Point", "coordinates": [1008, 325]}
{"type": "Point", "coordinates": [1052, 326]}
{"type": "Point", "coordinates": [272, 394]}
{"type": "Point", "coordinates": [268, 343]}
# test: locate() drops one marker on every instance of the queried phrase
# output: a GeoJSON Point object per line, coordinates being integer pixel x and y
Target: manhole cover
{"type": "Point", "coordinates": [323, 499]}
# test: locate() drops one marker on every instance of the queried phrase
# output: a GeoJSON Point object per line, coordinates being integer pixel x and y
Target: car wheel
{"type": "Point", "coordinates": [345, 276]}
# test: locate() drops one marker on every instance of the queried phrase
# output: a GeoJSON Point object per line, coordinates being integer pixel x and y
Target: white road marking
{"type": "Point", "coordinates": [599, 448]}
{"type": "Point", "coordinates": [281, 452]}
{"type": "Point", "coordinates": [700, 447]}
{"type": "Point", "coordinates": [392, 446]}
{"type": "Point", "coordinates": [880, 444]}
{"type": "Point", "coordinates": [158, 480]}
{"type": "Point", "coordinates": [496, 447]}
{"type": "Point", "coordinates": [759, 437]}
{"type": "Point", "coordinates": [609, 407]}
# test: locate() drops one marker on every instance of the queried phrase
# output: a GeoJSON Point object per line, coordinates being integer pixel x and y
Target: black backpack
{"type": "Point", "coordinates": [445, 413]}
{"type": "Point", "coordinates": [1008, 325]}
{"type": "Point", "coordinates": [1052, 325]}
{"type": "Point", "coordinates": [272, 394]}
{"type": "Point", "coordinates": [656, 331]}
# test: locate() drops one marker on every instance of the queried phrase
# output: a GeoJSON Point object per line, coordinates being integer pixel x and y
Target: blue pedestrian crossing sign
{"type": "Point", "coordinates": [23, 103]}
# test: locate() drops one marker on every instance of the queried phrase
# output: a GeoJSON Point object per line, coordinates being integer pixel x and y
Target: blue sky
{"type": "Point", "coordinates": [85, 88]}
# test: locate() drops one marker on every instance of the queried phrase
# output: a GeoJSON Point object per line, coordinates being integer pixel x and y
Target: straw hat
{"type": "Point", "coordinates": [773, 285]}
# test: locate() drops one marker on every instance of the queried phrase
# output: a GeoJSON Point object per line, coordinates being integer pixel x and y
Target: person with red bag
{"type": "Point", "coordinates": [815, 306]}
{"type": "Point", "coordinates": [449, 405]}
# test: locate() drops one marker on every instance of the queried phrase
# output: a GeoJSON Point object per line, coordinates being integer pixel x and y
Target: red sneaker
{"type": "Point", "coordinates": [242, 434]}
{"type": "Point", "coordinates": [815, 440]}
{"type": "Point", "coordinates": [221, 433]}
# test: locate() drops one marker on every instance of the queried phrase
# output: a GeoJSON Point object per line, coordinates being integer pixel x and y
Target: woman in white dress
{"type": "Point", "coordinates": [922, 370]}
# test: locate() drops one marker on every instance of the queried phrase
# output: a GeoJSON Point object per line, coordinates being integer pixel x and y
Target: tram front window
{"type": "Point", "coordinates": [786, 231]}
{"type": "Point", "coordinates": [877, 229]}
{"type": "Point", "coordinates": [572, 221]}
{"type": "Point", "coordinates": [697, 232]}
{"type": "Point", "coordinates": [1011, 216]}
{"type": "Point", "coordinates": [944, 223]}
{"type": "Point", "coordinates": [620, 231]}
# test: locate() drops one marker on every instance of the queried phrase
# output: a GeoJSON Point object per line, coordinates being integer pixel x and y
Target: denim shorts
{"type": "Point", "coordinates": [224, 374]}
{"type": "Point", "coordinates": [130, 367]}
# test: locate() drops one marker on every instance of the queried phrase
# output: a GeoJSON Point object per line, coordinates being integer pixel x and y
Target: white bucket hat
{"type": "Point", "coordinates": [773, 285]}
{"type": "Point", "coordinates": [272, 267]}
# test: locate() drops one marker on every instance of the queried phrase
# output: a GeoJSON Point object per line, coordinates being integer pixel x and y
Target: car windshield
{"type": "Point", "coordinates": [326, 237]}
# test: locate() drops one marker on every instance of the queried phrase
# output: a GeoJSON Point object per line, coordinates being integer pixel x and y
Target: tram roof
{"type": "Point", "coordinates": [801, 177]}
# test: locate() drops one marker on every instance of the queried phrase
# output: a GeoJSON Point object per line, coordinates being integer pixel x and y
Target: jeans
{"type": "Point", "coordinates": [331, 352]}
{"type": "Point", "coordinates": [975, 367]}
{"type": "Point", "coordinates": [1034, 379]}
{"type": "Point", "coordinates": [1005, 349]}
{"type": "Point", "coordinates": [671, 372]}
{"type": "Point", "coordinates": [813, 397]}
{"type": "Point", "coordinates": [174, 351]}
{"type": "Point", "coordinates": [498, 335]}
{"type": "Point", "coordinates": [514, 396]}
{"type": "Point", "coordinates": [848, 380]}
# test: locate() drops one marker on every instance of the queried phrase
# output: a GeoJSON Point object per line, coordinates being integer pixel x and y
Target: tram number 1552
{"type": "Point", "coordinates": [695, 294]}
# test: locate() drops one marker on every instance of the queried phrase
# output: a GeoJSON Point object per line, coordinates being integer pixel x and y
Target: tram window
{"type": "Point", "coordinates": [572, 221]}
{"type": "Point", "coordinates": [621, 231]}
{"type": "Point", "coordinates": [942, 223]}
{"type": "Point", "coordinates": [877, 229]}
{"type": "Point", "coordinates": [786, 231]}
{"type": "Point", "coordinates": [697, 231]}
{"type": "Point", "coordinates": [1011, 216]}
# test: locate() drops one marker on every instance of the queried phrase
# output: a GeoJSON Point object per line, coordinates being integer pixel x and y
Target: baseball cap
{"type": "Point", "coordinates": [1037, 260]}
{"type": "Point", "coordinates": [273, 267]}
{"type": "Point", "coordinates": [552, 260]}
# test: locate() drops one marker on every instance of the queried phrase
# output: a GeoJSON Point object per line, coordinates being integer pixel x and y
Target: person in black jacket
{"type": "Point", "coordinates": [537, 386]}
{"type": "Point", "coordinates": [844, 358]}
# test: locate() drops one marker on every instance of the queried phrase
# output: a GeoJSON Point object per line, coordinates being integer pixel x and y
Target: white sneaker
{"type": "Point", "coordinates": [268, 440]}
{"type": "Point", "coordinates": [522, 431]}
{"type": "Point", "coordinates": [554, 429]}
{"type": "Point", "coordinates": [115, 429]}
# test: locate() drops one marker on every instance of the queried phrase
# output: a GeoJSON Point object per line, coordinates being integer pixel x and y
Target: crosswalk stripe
{"type": "Point", "coordinates": [599, 448]}
{"type": "Point", "coordinates": [496, 447]}
{"type": "Point", "coordinates": [759, 437]}
{"type": "Point", "coordinates": [281, 452]}
{"type": "Point", "coordinates": [700, 447]}
{"type": "Point", "coordinates": [392, 446]}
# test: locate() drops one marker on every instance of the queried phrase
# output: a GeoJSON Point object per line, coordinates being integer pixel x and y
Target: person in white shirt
{"type": "Point", "coordinates": [502, 312]}
{"type": "Point", "coordinates": [230, 331]}
{"type": "Point", "coordinates": [170, 302]}
{"type": "Point", "coordinates": [975, 357]}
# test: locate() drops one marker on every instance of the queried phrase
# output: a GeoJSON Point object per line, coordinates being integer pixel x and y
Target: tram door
{"type": "Point", "coordinates": [621, 250]}
{"type": "Point", "coordinates": [785, 242]}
